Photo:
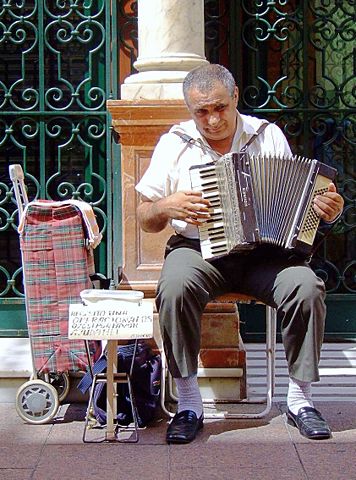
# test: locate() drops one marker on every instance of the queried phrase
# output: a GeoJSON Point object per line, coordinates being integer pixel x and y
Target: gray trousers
{"type": "Point", "coordinates": [188, 283]}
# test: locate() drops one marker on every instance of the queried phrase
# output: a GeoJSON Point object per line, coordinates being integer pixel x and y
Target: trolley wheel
{"type": "Point", "coordinates": [60, 381]}
{"type": "Point", "coordinates": [37, 402]}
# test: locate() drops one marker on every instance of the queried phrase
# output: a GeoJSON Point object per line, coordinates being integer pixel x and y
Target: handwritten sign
{"type": "Point", "coordinates": [111, 321]}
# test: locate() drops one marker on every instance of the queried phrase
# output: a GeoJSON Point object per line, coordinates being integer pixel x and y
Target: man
{"type": "Point", "coordinates": [188, 282]}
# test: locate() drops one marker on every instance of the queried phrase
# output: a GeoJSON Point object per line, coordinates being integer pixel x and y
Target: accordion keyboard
{"type": "Point", "coordinates": [211, 231]}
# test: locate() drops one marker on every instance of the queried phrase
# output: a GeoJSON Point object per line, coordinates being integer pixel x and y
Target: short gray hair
{"type": "Point", "coordinates": [205, 78]}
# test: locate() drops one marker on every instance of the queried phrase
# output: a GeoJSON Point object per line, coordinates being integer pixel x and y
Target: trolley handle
{"type": "Point", "coordinates": [18, 180]}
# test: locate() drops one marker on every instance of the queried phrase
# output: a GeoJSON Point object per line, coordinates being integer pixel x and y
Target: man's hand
{"type": "Point", "coordinates": [188, 205]}
{"type": "Point", "coordinates": [329, 205]}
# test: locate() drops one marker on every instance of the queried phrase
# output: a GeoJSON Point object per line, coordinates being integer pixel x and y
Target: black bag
{"type": "Point", "coordinates": [145, 381]}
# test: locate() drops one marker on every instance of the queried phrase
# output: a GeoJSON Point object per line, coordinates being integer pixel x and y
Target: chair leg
{"type": "Point", "coordinates": [271, 327]}
{"type": "Point", "coordinates": [164, 373]}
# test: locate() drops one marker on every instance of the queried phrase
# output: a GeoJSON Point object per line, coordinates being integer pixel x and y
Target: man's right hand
{"type": "Point", "coordinates": [188, 206]}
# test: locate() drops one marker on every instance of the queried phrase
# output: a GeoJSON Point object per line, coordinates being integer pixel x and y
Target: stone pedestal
{"type": "Point", "coordinates": [139, 125]}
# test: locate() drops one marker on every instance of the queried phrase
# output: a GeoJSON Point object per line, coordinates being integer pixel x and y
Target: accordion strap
{"type": "Point", "coordinates": [197, 142]}
{"type": "Point", "coordinates": [253, 138]}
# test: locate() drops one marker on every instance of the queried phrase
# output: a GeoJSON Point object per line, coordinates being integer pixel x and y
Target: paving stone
{"type": "Point", "coordinates": [15, 456]}
{"type": "Point", "coordinates": [328, 460]}
{"type": "Point", "coordinates": [15, 474]}
{"type": "Point", "coordinates": [262, 449]}
{"type": "Point", "coordinates": [111, 461]}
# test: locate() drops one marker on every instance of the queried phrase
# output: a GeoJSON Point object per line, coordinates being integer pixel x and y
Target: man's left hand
{"type": "Point", "coordinates": [329, 205]}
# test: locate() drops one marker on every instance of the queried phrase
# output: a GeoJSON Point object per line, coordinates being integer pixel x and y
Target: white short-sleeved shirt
{"type": "Point", "coordinates": [168, 171]}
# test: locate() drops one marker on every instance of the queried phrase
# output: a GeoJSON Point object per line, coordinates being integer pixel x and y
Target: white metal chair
{"type": "Point", "coordinates": [271, 327]}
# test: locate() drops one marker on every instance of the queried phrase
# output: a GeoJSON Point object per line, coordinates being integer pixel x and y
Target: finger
{"type": "Point", "coordinates": [201, 214]}
{"type": "Point", "coordinates": [194, 221]}
{"type": "Point", "coordinates": [325, 201]}
{"type": "Point", "coordinates": [322, 213]}
{"type": "Point", "coordinates": [325, 210]}
{"type": "Point", "coordinates": [201, 202]}
{"type": "Point", "coordinates": [194, 195]}
{"type": "Point", "coordinates": [201, 208]}
{"type": "Point", "coordinates": [330, 198]}
{"type": "Point", "coordinates": [332, 187]}
{"type": "Point", "coordinates": [329, 204]}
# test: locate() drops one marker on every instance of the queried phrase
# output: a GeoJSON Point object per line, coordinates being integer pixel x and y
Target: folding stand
{"type": "Point", "coordinates": [113, 316]}
{"type": "Point", "coordinates": [112, 378]}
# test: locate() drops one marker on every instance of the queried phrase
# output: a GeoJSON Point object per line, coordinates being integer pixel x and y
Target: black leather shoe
{"type": "Point", "coordinates": [184, 427]}
{"type": "Point", "coordinates": [310, 423]}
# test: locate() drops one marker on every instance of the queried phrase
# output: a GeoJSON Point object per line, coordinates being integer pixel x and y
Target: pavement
{"type": "Point", "coordinates": [265, 449]}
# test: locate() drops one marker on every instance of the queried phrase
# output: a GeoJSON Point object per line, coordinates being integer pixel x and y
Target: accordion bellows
{"type": "Point", "coordinates": [260, 199]}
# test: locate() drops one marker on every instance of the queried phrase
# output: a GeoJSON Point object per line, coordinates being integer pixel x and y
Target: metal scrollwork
{"type": "Point", "coordinates": [294, 62]}
{"type": "Point", "coordinates": [216, 32]}
{"type": "Point", "coordinates": [296, 67]}
{"type": "Point", "coordinates": [18, 33]}
{"type": "Point", "coordinates": [84, 35]}
{"type": "Point", "coordinates": [69, 139]}
{"type": "Point", "coordinates": [349, 277]}
{"type": "Point", "coordinates": [56, 59]}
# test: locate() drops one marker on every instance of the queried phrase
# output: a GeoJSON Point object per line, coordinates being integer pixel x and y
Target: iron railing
{"type": "Point", "coordinates": [58, 66]}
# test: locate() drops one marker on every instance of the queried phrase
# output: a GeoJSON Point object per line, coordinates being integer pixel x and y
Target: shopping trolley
{"type": "Point", "coordinates": [56, 241]}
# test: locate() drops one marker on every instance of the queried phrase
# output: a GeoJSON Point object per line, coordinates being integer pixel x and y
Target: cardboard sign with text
{"type": "Point", "coordinates": [111, 321]}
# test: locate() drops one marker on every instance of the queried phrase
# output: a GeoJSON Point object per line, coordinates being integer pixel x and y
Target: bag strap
{"type": "Point", "coordinates": [87, 380]}
{"type": "Point", "coordinates": [329, 227]}
{"type": "Point", "coordinates": [127, 352]}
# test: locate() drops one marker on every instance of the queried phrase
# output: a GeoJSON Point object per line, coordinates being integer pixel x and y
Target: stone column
{"type": "Point", "coordinates": [170, 44]}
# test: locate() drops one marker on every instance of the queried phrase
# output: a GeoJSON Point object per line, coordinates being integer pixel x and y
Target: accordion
{"type": "Point", "coordinates": [260, 199]}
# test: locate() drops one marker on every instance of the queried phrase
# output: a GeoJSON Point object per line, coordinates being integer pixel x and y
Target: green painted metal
{"type": "Point", "coordinates": [294, 61]}
{"type": "Point", "coordinates": [13, 318]}
{"type": "Point", "coordinates": [58, 63]}
{"type": "Point", "coordinates": [339, 326]}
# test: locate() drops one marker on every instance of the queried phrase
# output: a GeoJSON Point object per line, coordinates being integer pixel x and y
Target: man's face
{"type": "Point", "coordinates": [214, 112]}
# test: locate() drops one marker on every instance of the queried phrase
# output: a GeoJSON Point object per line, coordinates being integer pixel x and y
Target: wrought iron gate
{"type": "Point", "coordinates": [59, 61]}
{"type": "Point", "coordinates": [58, 66]}
{"type": "Point", "coordinates": [295, 63]}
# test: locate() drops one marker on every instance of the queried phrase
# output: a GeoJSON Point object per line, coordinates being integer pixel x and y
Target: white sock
{"type": "Point", "coordinates": [189, 397]}
{"type": "Point", "coordinates": [299, 395]}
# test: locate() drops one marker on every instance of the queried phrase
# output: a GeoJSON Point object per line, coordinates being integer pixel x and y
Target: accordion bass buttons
{"type": "Point", "coordinates": [311, 219]}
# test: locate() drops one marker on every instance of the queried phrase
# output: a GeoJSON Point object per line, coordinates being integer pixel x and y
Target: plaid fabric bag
{"type": "Point", "coordinates": [57, 265]}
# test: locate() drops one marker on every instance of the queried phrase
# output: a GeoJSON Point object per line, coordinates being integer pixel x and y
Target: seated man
{"type": "Point", "coordinates": [188, 282]}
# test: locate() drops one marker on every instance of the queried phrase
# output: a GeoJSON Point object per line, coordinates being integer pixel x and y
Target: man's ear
{"type": "Point", "coordinates": [236, 96]}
